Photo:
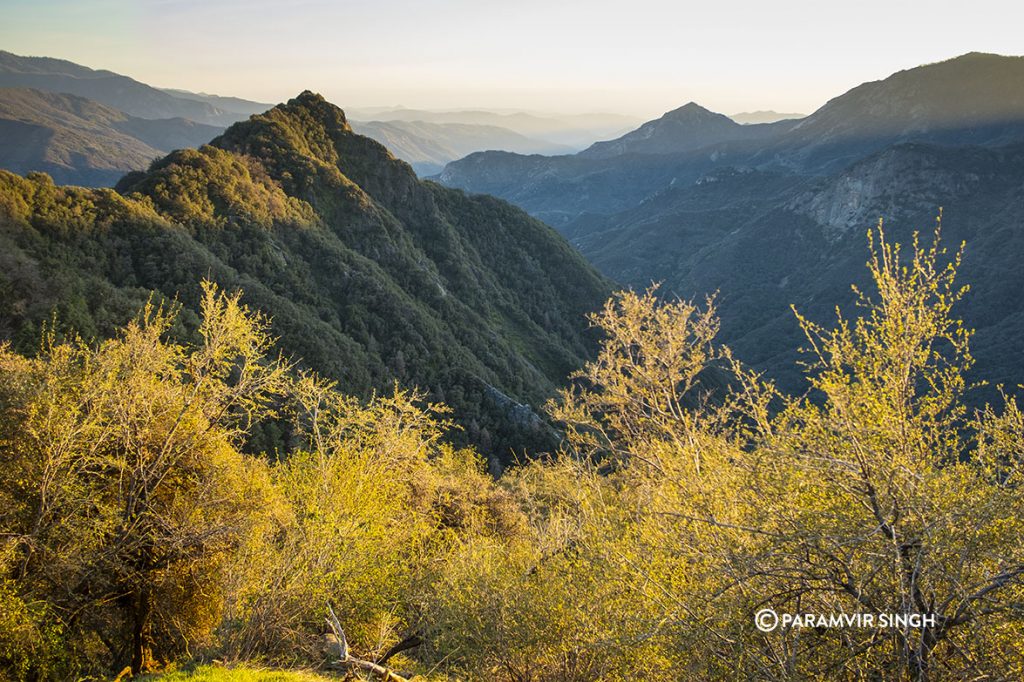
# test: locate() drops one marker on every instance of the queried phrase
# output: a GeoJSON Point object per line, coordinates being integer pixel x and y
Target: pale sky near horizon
{"type": "Point", "coordinates": [641, 57]}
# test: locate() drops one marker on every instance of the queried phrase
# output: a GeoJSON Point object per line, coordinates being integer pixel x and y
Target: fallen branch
{"type": "Point", "coordinates": [347, 660]}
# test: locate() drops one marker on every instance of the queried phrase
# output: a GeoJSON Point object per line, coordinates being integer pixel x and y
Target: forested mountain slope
{"type": "Point", "coordinates": [765, 240]}
{"type": "Point", "coordinates": [370, 275]}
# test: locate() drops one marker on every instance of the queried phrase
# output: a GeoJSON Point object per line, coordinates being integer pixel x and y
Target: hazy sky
{"type": "Point", "coordinates": [633, 56]}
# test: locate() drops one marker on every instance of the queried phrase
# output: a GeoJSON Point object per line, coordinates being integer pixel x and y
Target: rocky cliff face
{"type": "Point", "coordinates": [897, 183]}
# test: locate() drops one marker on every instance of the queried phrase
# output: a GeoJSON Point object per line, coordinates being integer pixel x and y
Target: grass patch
{"type": "Point", "coordinates": [211, 673]}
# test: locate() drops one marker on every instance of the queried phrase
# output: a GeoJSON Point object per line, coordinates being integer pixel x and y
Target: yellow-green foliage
{"type": "Point", "coordinates": [121, 488]}
{"type": "Point", "coordinates": [874, 493]}
{"type": "Point", "coordinates": [68, 209]}
{"type": "Point", "coordinates": [210, 186]}
{"type": "Point", "coordinates": [208, 673]}
{"type": "Point", "coordinates": [132, 523]}
{"type": "Point", "coordinates": [371, 510]}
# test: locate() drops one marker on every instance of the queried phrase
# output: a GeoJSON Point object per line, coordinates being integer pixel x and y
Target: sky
{"type": "Point", "coordinates": [637, 57]}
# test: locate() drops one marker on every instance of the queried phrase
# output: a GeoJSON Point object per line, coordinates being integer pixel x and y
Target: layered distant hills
{"type": "Point", "coordinates": [571, 130]}
{"type": "Point", "coordinates": [370, 275]}
{"type": "Point", "coordinates": [112, 90]}
{"type": "Point", "coordinates": [774, 214]}
{"type": "Point", "coordinates": [79, 141]}
{"type": "Point", "coordinates": [763, 116]}
{"type": "Point", "coordinates": [974, 99]}
{"type": "Point", "coordinates": [89, 127]}
{"type": "Point", "coordinates": [428, 147]}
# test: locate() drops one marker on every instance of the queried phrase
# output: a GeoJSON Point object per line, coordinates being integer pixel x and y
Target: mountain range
{"type": "Point", "coordinates": [570, 130]}
{"type": "Point", "coordinates": [768, 214]}
{"type": "Point", "coordinates": [774, 214]}
{"type": "Point", "coordinates": [428, 147]}
{"type": "Point", "coordinates": [684, 129]}
{"type": "Point", "coordinates": [763, 116]}
{"type": "Point", "coordinates": [973, 99]}
{"type": "Point", "coordinates": [370, 275]}
{"type": "Point", "coordinates": [87, 143]}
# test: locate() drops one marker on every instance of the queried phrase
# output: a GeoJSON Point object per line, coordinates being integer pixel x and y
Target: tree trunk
{"type": "Point", "coordinates": [142, 646]}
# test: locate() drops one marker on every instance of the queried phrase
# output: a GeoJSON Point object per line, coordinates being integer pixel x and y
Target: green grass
{"type": "Point", "coordinates": [210, 673]}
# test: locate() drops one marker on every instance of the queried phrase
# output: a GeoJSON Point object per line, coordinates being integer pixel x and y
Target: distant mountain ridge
{"type": "Point", "coordinates": [78, 141]}
{"type": "Point", "coordinates": [764, 116]}
{"type": "Point", "coordinates": [235, 105]}
{"type": "Point", "coordinates": [428, 147]}
{"type": "Point", "coordinates": [573, 130]}
{"type": "Point", "coordinates": [765, 240]}
{"type": "Point", "coordinates": [108, 88]}
{"type": "Point", "coordinates": [976, 99]}
{"type": "Point", "coordinates": [985, 107]}
{"type": "Point", "coordinates": [100, 156]}
{"type": "Point", "coordinates": [689, 127]}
